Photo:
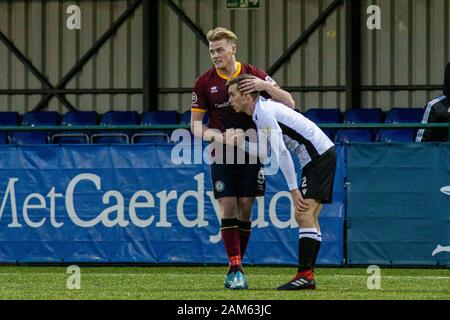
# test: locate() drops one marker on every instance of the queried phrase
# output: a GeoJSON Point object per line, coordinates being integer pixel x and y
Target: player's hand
{"type": "Point", "coordinates": [251, 85]}
{"type": "Point", "coordinates": [300, 204]}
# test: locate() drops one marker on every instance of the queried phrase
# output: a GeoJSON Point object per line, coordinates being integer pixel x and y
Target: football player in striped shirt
{"type": "Point", "coordinates": [284, 130]}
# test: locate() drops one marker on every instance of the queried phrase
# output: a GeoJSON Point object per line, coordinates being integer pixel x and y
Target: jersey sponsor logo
{"type": "Point", "coordinates": [194, 97]}
{"type": "Point", "coordinates": [271, 81]}
{"type": "Point", "coordinates": [219, 186]}
{"type": "Point", "coordinates": [222, 105]}
{"type": "Point", "coordinates": [214, 89]}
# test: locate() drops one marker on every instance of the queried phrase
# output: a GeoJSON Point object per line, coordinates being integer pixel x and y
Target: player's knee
{"type": "Point", "coordinates": [229, 213]}
{"type": "Point", "coordinates": [245, 208]}
{"type": "Point", "coordinates": [307, 218]}
{"type": "Point", "coordinates": [229, 207]}
{"type": "Point", "coordinates": [246, 204]}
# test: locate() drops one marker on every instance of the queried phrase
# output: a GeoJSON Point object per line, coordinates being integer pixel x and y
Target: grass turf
{"type": "Point", "coordinates": [185, 283]}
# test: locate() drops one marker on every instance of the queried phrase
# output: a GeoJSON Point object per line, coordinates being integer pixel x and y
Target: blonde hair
{"type": "Point", "coordinates": [221, 33]}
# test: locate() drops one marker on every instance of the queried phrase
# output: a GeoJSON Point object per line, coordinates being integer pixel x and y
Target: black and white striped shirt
{"type": "Point", "coordinates": [293, 132]}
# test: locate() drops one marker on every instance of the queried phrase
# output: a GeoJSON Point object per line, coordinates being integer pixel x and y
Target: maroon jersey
{"type": "Point", "coordinates": [211, 95]}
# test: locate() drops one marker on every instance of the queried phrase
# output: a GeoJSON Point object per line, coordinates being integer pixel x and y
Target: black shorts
{"type": "Point", "coordinates": [318, 177]}
{"type": "Point", "coordinates": [238, 180]}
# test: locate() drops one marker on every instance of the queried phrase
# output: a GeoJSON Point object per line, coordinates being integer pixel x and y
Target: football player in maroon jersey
{"type": "Point", "coordinates": [235, 185]}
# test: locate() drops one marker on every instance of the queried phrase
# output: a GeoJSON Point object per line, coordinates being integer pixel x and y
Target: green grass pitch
{"type": "Point", "coordinates": [206, 283]}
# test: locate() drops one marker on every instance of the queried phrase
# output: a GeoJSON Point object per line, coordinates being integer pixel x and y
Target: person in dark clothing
{"type": "Point", "coordinates": [437, 111]}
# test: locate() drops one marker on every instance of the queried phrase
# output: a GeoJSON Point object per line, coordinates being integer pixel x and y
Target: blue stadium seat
{"type": "Point", "coordinates": [35, 119]}
{"type": "Point", "coordinates": [7, 119]}
{"type": "Point", "coordinates": [79, 118]}
{"type": "Point", "coordinates": [40, 118]}
{"type": "Point", "coordinates": [401, 115]}
{"type": "Point", "coordinates": [122, 118]}
{"type": "Point", "coordinates": [115, 118]}
{"type": "Point", "coordinates": [319, 116]}
{"type": "Point", "coordinates": [22, 138]}
{"type": "Point", "coordinates": [156, 118]}
{"type": "Point", "coordinates": [374, 115]}
{"type": "Point", "coordinates": [159, 117]}
{"type": "Point", "coordinates": [76, 118]}
{"type": "Point", "coordinates": [151, 137]}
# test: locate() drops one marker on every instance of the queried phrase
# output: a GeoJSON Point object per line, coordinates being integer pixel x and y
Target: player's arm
{"type": "Point", "coordinates": [201, 130]}
{"type": "Point", "coordinates": [280, 95]}
{"type": "Point", "coordinates": [270, 137]}
{"type": "Point", "coordinates": [284, 158]}
{"type": "Point", "coordinates": [281, 154]}
{"type": "Point", "coordinates": [269, 86]}
{"type": "Point", "coordinates": [269, 144]}
{"type": "Point", "coordinates": [198, 112]}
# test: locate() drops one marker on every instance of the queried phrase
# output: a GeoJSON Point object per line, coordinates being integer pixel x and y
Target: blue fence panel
{"type": "Point", "coordinates": [132, 203]}
{"type": "Point", "coordinates": [398, 205]}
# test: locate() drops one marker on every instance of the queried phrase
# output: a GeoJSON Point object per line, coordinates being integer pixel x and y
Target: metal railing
{"type": "Point", "coordinates": [336, 126]}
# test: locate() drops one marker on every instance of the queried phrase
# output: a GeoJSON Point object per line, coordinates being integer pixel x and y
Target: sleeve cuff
{"type": "Point", "coordinates": [198, 110]}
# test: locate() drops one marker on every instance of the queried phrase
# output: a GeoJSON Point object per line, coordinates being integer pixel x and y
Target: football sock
{"type": "Point", "coordinates": [308, 274]}
{"type": "Point", "coordinates": [317, 247]}
{"type": "Point", "coordinates": [307, 242]}
{"type": "Point", "coordinates": [231, 239]}
{"type": "Point", "coordinates": [245, 228]}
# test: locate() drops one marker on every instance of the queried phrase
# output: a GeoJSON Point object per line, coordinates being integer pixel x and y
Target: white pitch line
{"type": "Point", "coordinates": [63, 274]}
{"type": "Point", "coordinates": [390, 276]}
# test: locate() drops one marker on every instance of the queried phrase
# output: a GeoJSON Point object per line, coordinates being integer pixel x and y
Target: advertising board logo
{"type": "Point", "coordinates": [142, 209]}
{"type": "Point", "coordinates": [440, 248]}
{"type": "Point", "coordinates": [446, 190]}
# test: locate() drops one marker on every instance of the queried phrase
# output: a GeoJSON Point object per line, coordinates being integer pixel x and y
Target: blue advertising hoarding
{"type": "Point", "coordinates": [398, 204]}
{"type": "Point", "coordinates": [132, 203]}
